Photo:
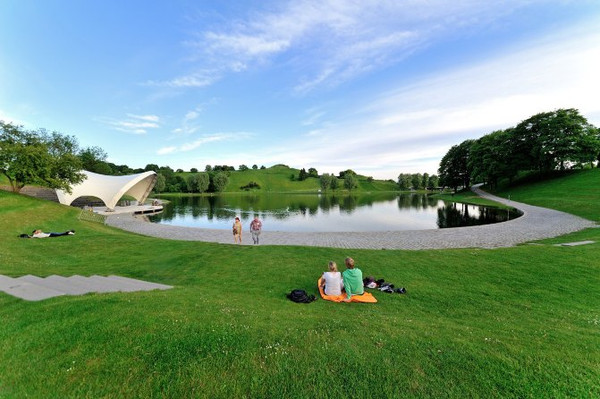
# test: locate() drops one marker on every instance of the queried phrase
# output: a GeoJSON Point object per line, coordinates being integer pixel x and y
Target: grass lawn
{"type": "Point", "coordinates": [520, 322]}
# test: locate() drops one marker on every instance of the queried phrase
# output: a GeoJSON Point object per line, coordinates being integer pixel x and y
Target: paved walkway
{"type": "Point", "coordinates": [535, 224]}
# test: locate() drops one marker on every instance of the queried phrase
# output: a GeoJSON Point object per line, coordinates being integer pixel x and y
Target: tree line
{"type": "Point", "coordinates": [53, 160]}
{"type": "Point", "coordinates": [545, 142]}
{"type": "Point", "coordinates": [417, 181]}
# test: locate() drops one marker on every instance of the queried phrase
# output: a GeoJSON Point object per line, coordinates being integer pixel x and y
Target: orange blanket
{"type": "Point", "coordinates": [366, 297]}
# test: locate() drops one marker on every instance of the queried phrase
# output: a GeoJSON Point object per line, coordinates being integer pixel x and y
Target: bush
{"type": "Point", "coordinates": [250, 186]}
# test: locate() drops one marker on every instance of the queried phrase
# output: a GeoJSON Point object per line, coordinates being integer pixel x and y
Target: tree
{"type": "Point", "coordinates": [491, 158]}
{"type": "Point", "coordinates": [347, 171]}
{"type": "Point", "coordinates": [416, 180]}
{"type": "Point", "coordinates": [454, 170]}
{"type": "Point", "coordinates": [325, 181]}
{"type": "Point", "coordinates": [404, 181]}
{"type": "Point", "coordinates": [434, 182]}
{"type": "Point", "coordinates": [28, 157]}
{"type": "Point", "coordinates": [192, 183]}
{"type": "Point", "coordinates": [198, 182]}
{"type": "Point", "coordinates": [312, 172]}
{"type": "Point", "coordinates": [151, 167]}
{"type": "Point", "coordinates": [254, 166]}
{"type": "Point", "coordinates": [334, 183]}
{"type": "Point", "coordinates": [203, 182]}
{"type": "Point", "coordinates": [425, 181]}
{"type": "Point", "coordinates": [160, 184]}
{"type": "Point", "coordinates": [551, 140]}
{"type": "Point", "coordinates": [350, 181]}
{"type": "Point", "coordinates": [176, 184]}
{"type": "Point", "coordinates": [219, 181]}
{"type": "Point", "coordinates": [179, 170]}
{"type": "Point", "coordinates": [93, 159]}
{"type": "Point", "coordinates": [243, 168]}
{"type": "Point", "coordinates": [208, 168]}
{"type": "Point", "coordinates": [123, 169]}
{"type": "Point", "coordinates": [193, 170]}
{"type": "Point", "coordinates": [302, 175]}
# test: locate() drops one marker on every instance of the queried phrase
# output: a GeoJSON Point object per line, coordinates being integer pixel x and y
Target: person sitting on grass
{"type": "Point", "coordinates": [353, 280]}
{"type": "Point", "coordinates": [40, 234]}
{"type": "Point", "coordinates": [332, 280]}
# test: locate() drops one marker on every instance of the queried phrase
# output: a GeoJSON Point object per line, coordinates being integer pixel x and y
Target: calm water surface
{"type": "Point", "coordinates": [327, 213]}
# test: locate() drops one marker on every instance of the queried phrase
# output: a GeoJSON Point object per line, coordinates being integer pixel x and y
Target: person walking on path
{"type": "Point", "coordinates": [353, 280]}
{"type": "Point", "coordinates": [237, 231]}
{"type": "Point", "coordinates": [255, 229]}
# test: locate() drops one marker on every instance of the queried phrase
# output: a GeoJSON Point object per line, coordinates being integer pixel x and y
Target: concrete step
{"type": "Point", "coordinates": [7, 282]}
{"type": "Point", "coordinates": [144, 285]}
{"type": "Point", "coordinates": [117, 284]}
{"type": "Point", "coordinates": [26, 290]}
{"type": "Point", "coordinates": [34, 288]}
{"type": "Point", "coordinates": [60, 283]}
{"type": "Point", "coordinates": [92, 284]}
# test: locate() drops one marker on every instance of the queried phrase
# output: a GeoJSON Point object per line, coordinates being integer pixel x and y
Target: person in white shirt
{"type": "Point", "coordinates": [332, 280]}
{"type": "Point", "coordinates": [40, 234]}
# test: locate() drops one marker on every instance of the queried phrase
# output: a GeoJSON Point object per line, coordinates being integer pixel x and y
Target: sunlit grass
{"type": "Point", "coordinates": [512, 322]}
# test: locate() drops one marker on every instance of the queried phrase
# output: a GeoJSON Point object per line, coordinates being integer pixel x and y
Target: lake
{"type": "Point", "coordinates": [327, 212]}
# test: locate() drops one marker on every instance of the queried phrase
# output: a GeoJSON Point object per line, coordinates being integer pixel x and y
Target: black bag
{"type": "Point", "coordinates": [300, 296]}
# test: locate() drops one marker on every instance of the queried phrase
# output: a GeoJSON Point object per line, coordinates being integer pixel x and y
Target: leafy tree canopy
{"type": "Point", "coordinates": [38, 157]}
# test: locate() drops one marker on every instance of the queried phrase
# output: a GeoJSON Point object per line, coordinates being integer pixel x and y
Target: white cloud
{"type": "Point", "coordinates": [134, 124]}
{"type": "Point", "coordinates": [194, 80]}
{"type": "Point", "coordinates": [149, 118]}
{"type": "Point", "coordinates": [202, 141]}
{"type": "Point", "coordinates": [244, 45]}
{"type": "Point", "coordinates": [333, 41]}
{"type": "Point", "coordinates": [166, 150]}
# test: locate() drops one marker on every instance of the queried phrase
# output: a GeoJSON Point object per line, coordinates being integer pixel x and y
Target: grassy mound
{"type": "Point", "coordinates": [281, 179]}
{"type": "Point", "coordinates": [514, 322]}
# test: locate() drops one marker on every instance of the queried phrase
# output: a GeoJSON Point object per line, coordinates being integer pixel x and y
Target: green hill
{"type": "Point", "coordinates": [574, 192]}
{"type": "Point", "coordinates": [281, 178]}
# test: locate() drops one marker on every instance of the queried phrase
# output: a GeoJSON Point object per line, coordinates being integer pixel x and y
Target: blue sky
{"type": "Point", "coordinates": [382, 87]}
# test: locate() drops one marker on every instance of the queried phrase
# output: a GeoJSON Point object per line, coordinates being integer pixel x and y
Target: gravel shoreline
{"type": "Point", "coordinates": [536, 223]}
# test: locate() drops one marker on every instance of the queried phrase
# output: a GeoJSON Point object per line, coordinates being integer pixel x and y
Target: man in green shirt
{"type": "Point", "coordinates": [353, 280]}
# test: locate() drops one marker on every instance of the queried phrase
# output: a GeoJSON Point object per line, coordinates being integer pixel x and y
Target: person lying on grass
{"type": "Point", "coordinates": [40, 234]}
{"type": "Point", "coordinates": [353, 280]}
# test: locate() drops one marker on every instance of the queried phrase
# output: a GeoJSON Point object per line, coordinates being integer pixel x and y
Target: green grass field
{"type": "Point", "coordinates": [521, 322]}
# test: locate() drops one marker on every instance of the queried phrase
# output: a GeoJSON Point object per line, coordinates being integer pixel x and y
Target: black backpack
{"type": "Point", "coordinates": [300, 296]}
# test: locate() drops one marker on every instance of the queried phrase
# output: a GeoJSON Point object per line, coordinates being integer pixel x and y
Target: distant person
{"type": "Point", "coordinates": [40, 234]}
{"type": "Point", "coordinates": [353, 280]}
{"type": "Point", "coordinates": [332, 280]}
{"type": "Point", "coordinates": [255, 229]}
{"type": "Point", "coordinates": [237, 231]}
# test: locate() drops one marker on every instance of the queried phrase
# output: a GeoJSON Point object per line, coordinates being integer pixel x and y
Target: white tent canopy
{"type": "Point", "coordinates": [110, 189]}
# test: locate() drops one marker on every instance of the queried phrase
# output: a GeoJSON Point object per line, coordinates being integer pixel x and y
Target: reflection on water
{"type": "Point", "coordinates": [327, 213]}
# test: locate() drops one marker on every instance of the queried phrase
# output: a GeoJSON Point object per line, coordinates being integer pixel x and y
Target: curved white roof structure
{"type": "Point", "coordinates": [110, 189]}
